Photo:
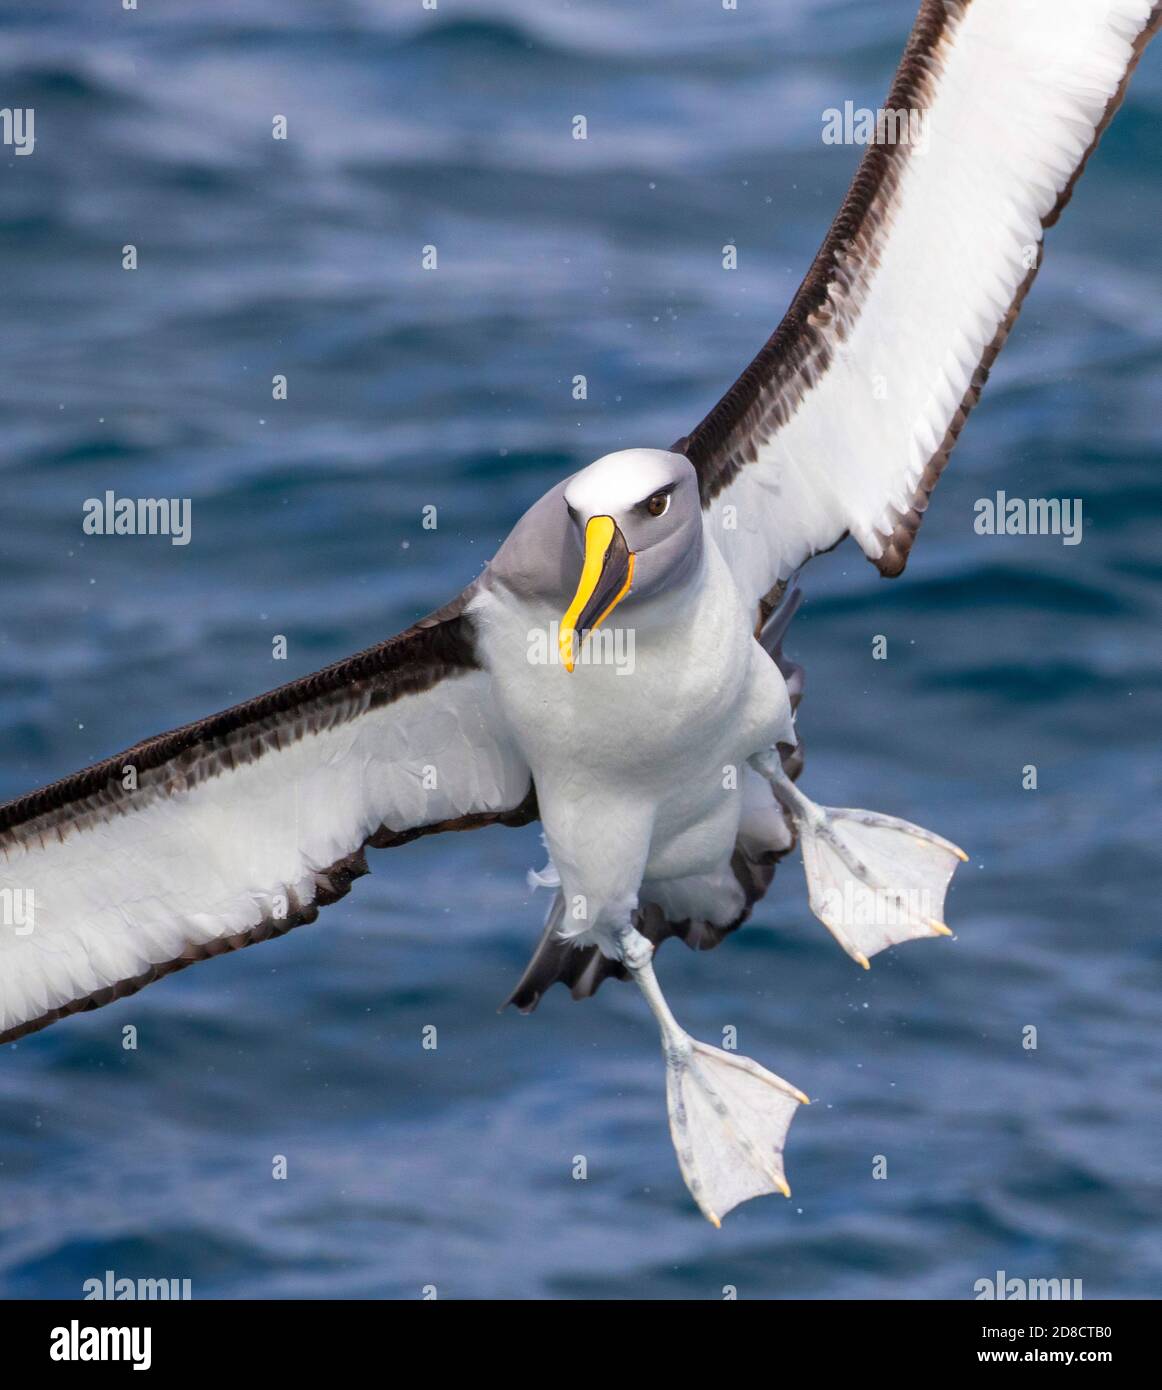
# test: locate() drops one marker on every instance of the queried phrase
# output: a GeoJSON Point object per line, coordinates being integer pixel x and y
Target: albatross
{"type": "Point", "coordinates": [667, 788]}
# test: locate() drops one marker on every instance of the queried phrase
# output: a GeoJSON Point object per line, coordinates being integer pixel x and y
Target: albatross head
{"type": "Point", "coordinates": [638, 519]}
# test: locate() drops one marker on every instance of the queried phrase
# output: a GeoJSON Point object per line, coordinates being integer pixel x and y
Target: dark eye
{"type": "Point", "coordinates": [658, 503]}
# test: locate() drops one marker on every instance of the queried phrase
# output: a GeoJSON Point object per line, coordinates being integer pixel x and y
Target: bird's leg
{"type": "Point", "coordinates": [728, 1116]}
{"type": "Point", "coordinates": [873, 880]}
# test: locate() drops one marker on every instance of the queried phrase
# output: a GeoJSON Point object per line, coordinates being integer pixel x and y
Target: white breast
{"type": "Point", "coordinates": [684, 695]}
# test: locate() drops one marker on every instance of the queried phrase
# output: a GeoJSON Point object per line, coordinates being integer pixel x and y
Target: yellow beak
{"type": "Point", "coordinates": [606, 578]}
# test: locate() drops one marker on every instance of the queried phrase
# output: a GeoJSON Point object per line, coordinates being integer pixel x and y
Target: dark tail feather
{"type": "Point", "coordinates": [584, 969]}
{"type": "Point", "coordinates": [555, 959]}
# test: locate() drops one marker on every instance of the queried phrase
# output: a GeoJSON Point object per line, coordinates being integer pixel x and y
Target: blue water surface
{"type": "Point", "coordinates": [557, 257]}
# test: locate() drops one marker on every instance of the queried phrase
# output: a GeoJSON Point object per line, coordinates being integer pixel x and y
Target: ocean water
{"type": "Point", "coordinates": [455, 1167]}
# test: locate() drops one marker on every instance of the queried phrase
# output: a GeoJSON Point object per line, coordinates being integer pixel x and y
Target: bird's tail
{"type": "Point", "coordinates": [557, 958]}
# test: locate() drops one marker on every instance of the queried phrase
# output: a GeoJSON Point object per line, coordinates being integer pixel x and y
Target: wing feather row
{"type": "Point", "coordinates": [844, 421]}
{"type": "Point", "coordinates": [237, 828]}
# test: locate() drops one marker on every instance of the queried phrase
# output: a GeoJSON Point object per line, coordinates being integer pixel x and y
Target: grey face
{"type": "Point", "coordinates": [625, 529]}
{"type": "Point", "coordinates": [652, 499]}
{"type": "Point", "coordinates": [637, 526]}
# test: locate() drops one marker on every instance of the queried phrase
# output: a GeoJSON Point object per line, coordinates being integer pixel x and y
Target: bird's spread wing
{"type": "Point", "coordinates": [844, 421]}
{"type": "Point", "coordinates": [243, 825]}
